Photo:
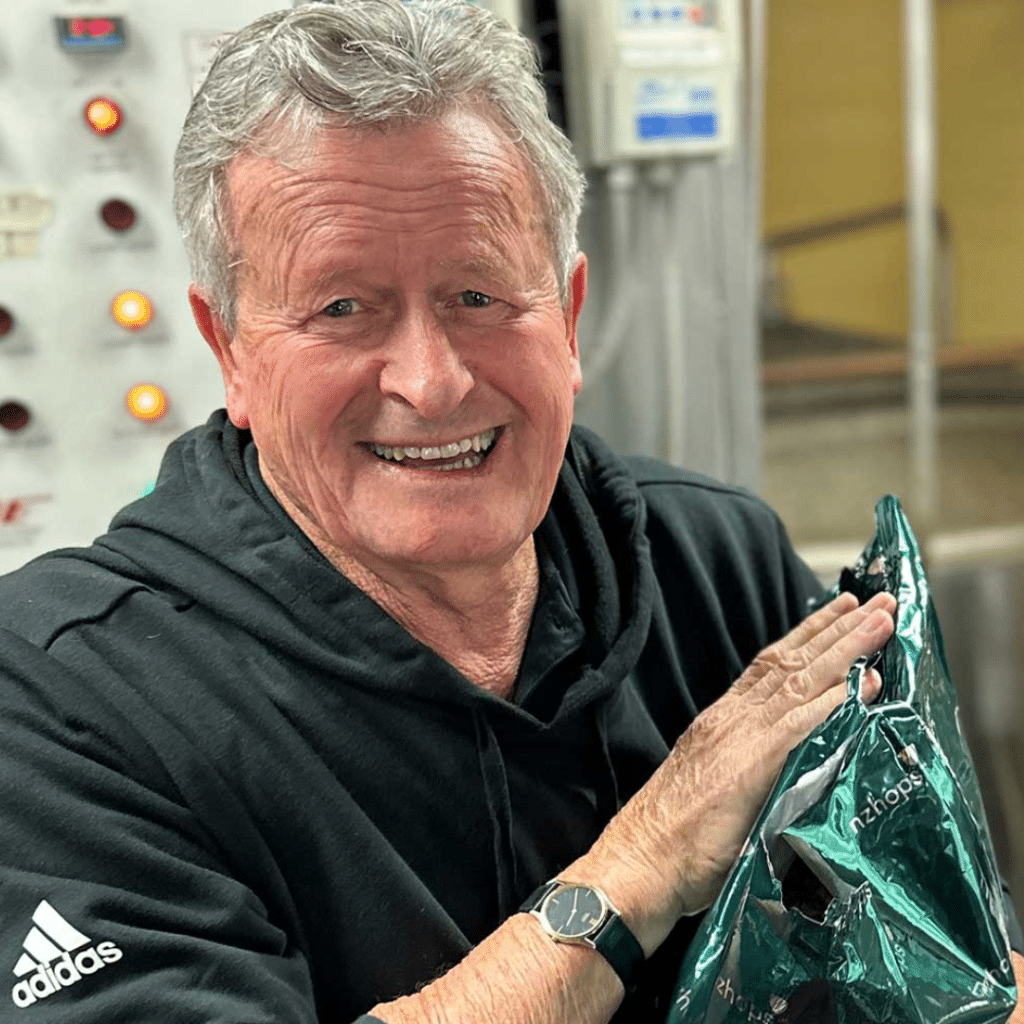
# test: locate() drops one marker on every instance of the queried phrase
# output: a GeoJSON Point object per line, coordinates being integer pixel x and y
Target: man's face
{"type": "Point", "coordinates": [397, 292]}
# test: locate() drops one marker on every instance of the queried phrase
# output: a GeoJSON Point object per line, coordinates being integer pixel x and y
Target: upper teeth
{"type": "Point", "coordinates": [477, 443]}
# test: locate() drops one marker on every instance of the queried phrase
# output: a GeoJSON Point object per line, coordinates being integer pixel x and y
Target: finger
{"type": "Point", "coordinates": [831, 668]}
{"type": "Point", "coordinates": [794, 640]}
{"type": "Point", "coordinates": [778, 663]}
{"type": "Point", "coordinates": [820, 620]}
{"type": "Point", "coordinates": [803, 719]}
{"type": "Point", "coordinates": [870, 686]}
{"type": "Point", "coordinates": [828, 637]}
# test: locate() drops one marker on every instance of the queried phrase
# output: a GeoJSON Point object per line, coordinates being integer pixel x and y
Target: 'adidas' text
{"type": "Point", "coordinates": [57, 955]}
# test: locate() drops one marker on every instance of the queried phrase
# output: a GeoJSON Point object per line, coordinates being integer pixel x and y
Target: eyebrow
{"type": "Point", "coordinates": [482, 263]}
{"type": "Point", "coordinates": [330, 274]}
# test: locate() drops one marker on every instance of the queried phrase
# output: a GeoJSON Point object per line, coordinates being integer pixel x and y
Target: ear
{"type": "Point", "coordinates": [211, 327]}
{"type": "Point", "coordinates": [577, 296]}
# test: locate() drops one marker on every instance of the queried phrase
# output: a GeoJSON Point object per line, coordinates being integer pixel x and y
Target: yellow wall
{"type": "Point", "coordinates": [834, 145]}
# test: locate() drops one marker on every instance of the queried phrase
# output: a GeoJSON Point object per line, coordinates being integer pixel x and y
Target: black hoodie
{"type": "Point", "coordinates": [233, 789]}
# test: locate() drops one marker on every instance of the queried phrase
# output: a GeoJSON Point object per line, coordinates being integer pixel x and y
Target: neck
{"type": "Point", "coordinates": [476, 618]}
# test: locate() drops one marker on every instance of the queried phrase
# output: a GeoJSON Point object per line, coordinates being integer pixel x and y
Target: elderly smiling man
{"type": "Point", "coordinates": [400, 696]}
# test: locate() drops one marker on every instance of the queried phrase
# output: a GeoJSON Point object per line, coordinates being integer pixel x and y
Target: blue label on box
{"type": "Point", "coordinates": [677, 126]}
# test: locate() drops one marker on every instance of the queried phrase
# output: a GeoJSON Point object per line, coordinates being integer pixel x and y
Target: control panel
{"type": "Point", "coordinates": [100, 362]}
{"type": "Point", "coordinates": [510, 10]}
{"type": "Point", "coordinates": [651, 78]}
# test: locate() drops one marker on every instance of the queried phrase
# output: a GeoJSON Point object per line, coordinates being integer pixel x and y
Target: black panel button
{"type": "Point", "coordinates": [14, 416]}
{"type": "Point", "coordinates": [117, 214]}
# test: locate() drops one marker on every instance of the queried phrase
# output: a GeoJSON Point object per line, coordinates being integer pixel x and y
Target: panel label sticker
{"type": "Point", "coordinates": [670, 107]}
{"type": "Point", "coordinates": [22, 214]}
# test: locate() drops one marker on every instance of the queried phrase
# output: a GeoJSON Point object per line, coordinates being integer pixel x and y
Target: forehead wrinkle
{"type": "Point", "coordinates": [487, 201]}
{"type": "Point", "coordinates": [454, 177]}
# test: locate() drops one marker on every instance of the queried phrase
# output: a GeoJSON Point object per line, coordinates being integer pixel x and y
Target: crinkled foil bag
{"type": "Point", "coordinates": [868, 889]}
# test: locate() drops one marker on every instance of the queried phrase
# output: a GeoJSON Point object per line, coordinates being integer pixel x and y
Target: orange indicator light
{"type": "Point", "coordinates": [102, 115]}
{"type": "Point", "coordinates": [132, 310]}
{"type": "Point", "coordinates": [146, 402]}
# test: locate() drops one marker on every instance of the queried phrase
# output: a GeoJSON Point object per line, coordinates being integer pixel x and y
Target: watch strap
{"type": "Point", "coordinates": [537, 897]}
{"type": "Point", "coordinates": [618, 945]}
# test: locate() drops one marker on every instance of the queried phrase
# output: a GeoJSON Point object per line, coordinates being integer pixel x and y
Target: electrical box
{"type": "Point", "coordinates": [510, 10]}
{"type": "Point", "coordinates": [651, 78]}
{"type": "Point", "coordinates": [101, 364]}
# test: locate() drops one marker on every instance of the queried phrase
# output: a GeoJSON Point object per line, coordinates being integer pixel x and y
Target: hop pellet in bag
{"type": "Point", "coordinates": [867, 890]}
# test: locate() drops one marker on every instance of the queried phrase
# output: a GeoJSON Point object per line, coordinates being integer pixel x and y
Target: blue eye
{"type": "Point", "coordinates": [341, 308]}
{"type": "Point", "coordinates": [476, 300]}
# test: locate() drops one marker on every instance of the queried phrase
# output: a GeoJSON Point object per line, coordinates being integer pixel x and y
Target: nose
{"type": "Point", "coordinates": [423, 367]}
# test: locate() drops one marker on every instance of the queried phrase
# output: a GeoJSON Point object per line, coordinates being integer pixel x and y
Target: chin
{"type": "Point", "coordinates": [456, 544]}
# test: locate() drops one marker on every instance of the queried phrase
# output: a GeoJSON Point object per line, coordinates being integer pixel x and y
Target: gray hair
{"type": "Point", "coordinates": [358, 63]}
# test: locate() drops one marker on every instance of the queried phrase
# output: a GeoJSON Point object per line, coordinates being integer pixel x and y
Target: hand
{"type": "Point", "coordinates": [1017, 1017]}
{"type": "Point", "coordinates": [668, 851]}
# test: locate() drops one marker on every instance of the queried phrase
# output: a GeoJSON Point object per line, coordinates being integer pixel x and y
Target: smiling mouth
{"type": "Point", "coordinates": [468, 453]}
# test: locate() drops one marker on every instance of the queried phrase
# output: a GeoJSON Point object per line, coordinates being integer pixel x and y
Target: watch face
{"type": "Point", "coordinates": [574, 911]}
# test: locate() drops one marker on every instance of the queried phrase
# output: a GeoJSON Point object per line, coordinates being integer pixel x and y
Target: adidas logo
{"type": "Point", "coordinates": [56, 956]}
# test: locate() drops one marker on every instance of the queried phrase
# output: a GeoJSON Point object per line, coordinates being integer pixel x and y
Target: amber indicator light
{"type": "Point", "coordinates": [14, 416]}
{"type": "Point", "coordinates": [103, 115]}
{"type": "Point", "coordinates": [146, 402]}
{"type": "Point", "coordinates": [117, 214]}
{"type": "Point", "coordinates": [132, 310]}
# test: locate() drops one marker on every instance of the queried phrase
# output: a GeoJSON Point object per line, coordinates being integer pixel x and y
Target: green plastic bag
{"type": "Point", "coordinates": [867, 890]}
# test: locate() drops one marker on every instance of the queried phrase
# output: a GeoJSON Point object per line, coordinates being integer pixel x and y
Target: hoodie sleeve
{"type": "Point", "coordinates": [114, 906]}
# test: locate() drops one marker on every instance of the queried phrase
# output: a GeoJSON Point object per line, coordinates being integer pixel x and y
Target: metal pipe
{"type": "Point", "coordinates": [668, 177]}
{"type": "Point", "coordinates": [919, 42]}
{"type": "Point", "coordinates": [620, 313]}
{"type": "Point", "coordinates": [747, 435]}
{"type": "Point", "coordinates": [674, 297]}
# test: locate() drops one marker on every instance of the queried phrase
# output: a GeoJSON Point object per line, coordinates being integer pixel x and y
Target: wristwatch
{"type": "Point", "coordinates": [582, 915]}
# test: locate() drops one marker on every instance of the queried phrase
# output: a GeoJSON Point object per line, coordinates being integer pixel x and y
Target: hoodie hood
{"type": "Point", "coordinates": [214, 534]}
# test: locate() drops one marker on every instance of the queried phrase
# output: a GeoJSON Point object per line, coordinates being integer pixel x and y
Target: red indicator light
{"type": "Point", "coordinates": [12, 512]}
{"type": "Point", "coordinates": [102, 115]}
{"type": "Point", "coordinates": [93, 28]}
{"type": "Point", "coordinates": [117, 214]}
{"type": "Point", "coordinates": [14, 416]}
{"type": "Point", "coordinates": [6, 322]}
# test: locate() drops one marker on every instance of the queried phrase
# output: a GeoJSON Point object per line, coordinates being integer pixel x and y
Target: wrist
{"type": "Point", "coordinates": [581, 914]}
{"type": "Point", "coordinates": [630, 889]}
{"type": "Point", "coordinates": [516, 974]}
